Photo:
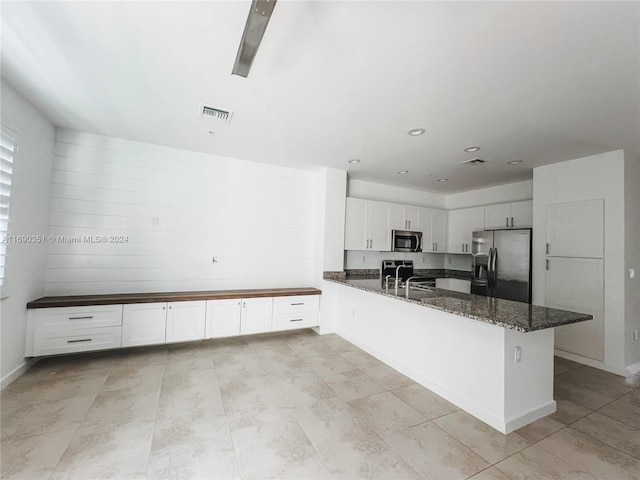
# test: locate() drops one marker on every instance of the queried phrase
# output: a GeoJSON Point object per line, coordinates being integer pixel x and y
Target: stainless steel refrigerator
{"type": "Point", "coordinates": [501, 261]}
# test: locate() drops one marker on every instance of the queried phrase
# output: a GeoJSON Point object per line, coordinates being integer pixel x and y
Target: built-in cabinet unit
{"type": "Point", "coordinates": [58, 330]}
{"type": "Point", "coordinates": [574, 275]}
{"type": "Point", "coordinates": [434, 230]}
{"type": "Point", "coordinates": [462, 224]}
{"type": "Point", "coordinates": [367, 225]}
{"type": "Point", "coordinates": [509, 215]}
{"type": "Point", "coordinates": [404, 217]}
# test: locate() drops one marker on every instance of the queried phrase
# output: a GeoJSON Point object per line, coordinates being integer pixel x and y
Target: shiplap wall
{"type": "Point", "coordinates": [257, 219]}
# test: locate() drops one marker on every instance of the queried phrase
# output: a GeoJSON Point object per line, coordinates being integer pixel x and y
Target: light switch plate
{"type": "Point", "coordinates": [632, 273]}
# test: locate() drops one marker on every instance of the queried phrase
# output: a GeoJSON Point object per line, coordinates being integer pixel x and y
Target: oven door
{"type": "Point", "coordinates": [405, 241]}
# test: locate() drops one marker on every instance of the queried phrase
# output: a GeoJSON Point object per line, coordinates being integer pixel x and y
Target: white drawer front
{"type": "Point", "coordinates": [291, 322]}
{"type": "Point", "coordinates": [78, 317]}
{"type": "Point", "coordinates": [76, 340]}
{"type": "Point", "coordinates": [295, 304]}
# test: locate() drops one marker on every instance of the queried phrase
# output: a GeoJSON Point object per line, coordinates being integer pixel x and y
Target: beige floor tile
{"type": "Point", "coordinates": [425, 401]}
{"type": "Point", "coordinates": [313, 349]}
{"type": "Point", "coordinates": [480, 437]}
{"type": "Point", "coordinates": [559, 369]}
{"type": "Point", "coordinates": [595, 458]}
{"type": "Point", "coordinates": [332, 426]}
{"type": "Point", "coordinates": [373, 460]}
{"type": "Point", "coordinates": [568, 412]}
{"type": "Point", "coordinates": [570, 364]}
{"type": "Point", "coordinates": [612, 432]}
{"type": "Point", "coordinates": [145, 378]}
{"type": "Point", "coordinates": [361, 359]}
{"type": "Point", "coordinates": [353, 384]}
{"type": "Point", "coordinates": [58, 387]}
{"type": "Point", "coordinates": [277, 449]}
{"type": "Point", "coordinates": [132, 468]}
{"type": "Point", "coordinates": [388, 377]}
{"type": "Point", "coordinates": [585, 397]}
{"type": "Point", "coordinates": [139, 356]}
{"type": "Point", "coordinates": [233, 367]}
{"type": "Point", "coordinates": [34, 457]}
{"type": "Point", "coordinates": [536, 462]}
{"type": "Point", "coordinates": [386, 413]}
{"type": "Point", "coordinates": [302, 388]}
{"type": "Point", "coordinates": [338, 344]}
{"type": "Point", "coordinates": [42, 417]}
{"type": "Point", "coordinates": [624, 411]}
{"type": "Point", "coordinates": [632, 397]}
{"type": "Point", "coordinates": [434, 453]}
{"type": "Point", "coordinates": [491, 473]}
{"type": "Point", "coordinates": [327, 365]}
{"type": "Point", "coordinates": [539, 429]}
{"type": "Point", "coordinates": [120, 407]}
{"type": "Point", "coordinates": [600, 381]}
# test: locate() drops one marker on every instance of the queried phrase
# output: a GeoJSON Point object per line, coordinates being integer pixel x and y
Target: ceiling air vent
{"type": "Point", "coordinates": [474, 161]}
{"type": "Point", "coordinates": [213, 112]}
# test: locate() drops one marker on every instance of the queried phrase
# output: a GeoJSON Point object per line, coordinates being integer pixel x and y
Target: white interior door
{"type": "Point", "coordinates": [575, 229]}
{"type": "Point", "coordinates": [577, 284]}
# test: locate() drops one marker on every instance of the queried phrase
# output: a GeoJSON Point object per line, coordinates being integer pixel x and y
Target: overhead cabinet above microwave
{"type": "Point", "coordinates": [369, 225]}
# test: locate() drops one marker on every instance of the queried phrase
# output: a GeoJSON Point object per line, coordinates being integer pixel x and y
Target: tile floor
{"type": "Point", "coordinates": [298, 406]}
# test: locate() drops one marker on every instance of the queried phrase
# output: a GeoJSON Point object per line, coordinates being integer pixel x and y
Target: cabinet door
{"type": "Point", "coordinates": [355, 237]}
{"type": "Point", "coordinates": [412, 218]}
{"type": "Point", "coordinates": [185, 321]}
{"type": "Point", "coordinates": [223, 318]}
{"type": "Point", "coordinates": [424, 220]}
{"type": "Point", "coordinates": [256, 315]}
{"type": "Point", "coordinates": [497, 216]}
{"type": "Point", "coordinates": [575, 229]}
{"type": "Point", "coordinates": [577, 284]}
{"type": "Point", "coordinates": [396, 217]}
{"type": "Point", "coordinates": [522, 214]}
{"type": "Point", "coordinates": [144, 324]}
{"type": "Point", "coordinates": [462, 224]}
{"type": "Point", "coordinates": [378, 226]}
{"type": "Point", "coordinates": [438, 230]}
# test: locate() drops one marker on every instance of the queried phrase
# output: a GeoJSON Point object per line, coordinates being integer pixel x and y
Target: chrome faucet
{"type": "Point", "coordinates": [406, 285]}
{"type": "Point", "coordinates": [386, 283]}
{"type": "Point", "coordinates": [402, 265]}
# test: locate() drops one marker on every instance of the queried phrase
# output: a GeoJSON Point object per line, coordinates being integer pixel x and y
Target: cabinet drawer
{"type": "Point", "coordinates": [290, 322]}
{"type": "Point", "coordinates": [76, 340]}
{"type": "Point", "coordinates": [295, 304]}
{"type": "Point", "coordinates": [78, 317]}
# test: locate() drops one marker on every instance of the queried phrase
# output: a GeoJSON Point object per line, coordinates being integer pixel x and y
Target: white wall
{"type": "Point", "coordinates": [29, 216]}
{"type": "Point", "coordinates": [632, 255]}
{"type": "Point", "coordinates": [511, 192]}
{"type": "Point", "coordinates": [598, 176]}
{"type": "Point", "coordinates": [388, 193]}
{"type": "Point", "coordinates": [334, 184]}
{"type": "Point", "coordinates": [258, 220]}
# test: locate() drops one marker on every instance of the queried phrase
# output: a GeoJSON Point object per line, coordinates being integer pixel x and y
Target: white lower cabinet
{"type": "Point", "coordinates": [144, 324]}
{"type": "Point", "coordinates": [185, 321]}
{"type": "Point", "coordinates": [295, 312]}
{"type": "Point", "coordinates": [223, 318]}
{"type": "Point", "coordinates": [256, 315]}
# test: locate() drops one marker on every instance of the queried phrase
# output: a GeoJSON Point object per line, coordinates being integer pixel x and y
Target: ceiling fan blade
{"type": "Point", "coordinates": [254, 29]}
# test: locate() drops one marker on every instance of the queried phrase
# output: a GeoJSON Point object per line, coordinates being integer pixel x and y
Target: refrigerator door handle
{"type": "Point", "coordinates": [489, 270]}
{"type": "Point", "coordinates": [494, 267]}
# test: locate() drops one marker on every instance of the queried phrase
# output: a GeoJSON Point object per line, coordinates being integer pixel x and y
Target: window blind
{"type": "Point", "coordinates": [7, 153]}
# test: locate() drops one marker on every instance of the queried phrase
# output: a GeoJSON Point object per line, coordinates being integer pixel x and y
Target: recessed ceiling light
{"type": "Point", "coordinates": [402, 172]}
{"type": "Point", "coordinates": [471, 149]}
{"type": "Point", "coordinates": [354, 161]}
{"type": "Point", "coordinates": [514, 162]}
{"type": "Point", "coordinates": [414, 132]}
{"type": "Point", "coordinates": [443, 179]}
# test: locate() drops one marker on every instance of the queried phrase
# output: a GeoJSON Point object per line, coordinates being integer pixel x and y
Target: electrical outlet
{"type": "Point", "coordinates": [635, 335]}
{"type": "Point", "coordinates": [632, 273]}
{"type": "Point", "coordinates": [517, 354]}
{"type": "Point", "coordinates": [155, 221]}
{"type": "Point", "coordinates": [364, 259]}
{"type": "Point", "coordinates": [424, 259]}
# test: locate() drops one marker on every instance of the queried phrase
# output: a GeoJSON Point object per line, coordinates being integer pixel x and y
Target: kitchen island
{"type": "Point", "coordinates": [493, 358]}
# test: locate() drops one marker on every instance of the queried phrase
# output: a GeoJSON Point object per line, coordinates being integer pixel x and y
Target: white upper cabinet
{"type": "Point", "coordinates": [404, 217]}
{"type": "Point", "coordinates": [462, 224]}
{"type": "Point", "coordinates": [367, 225]}
{"type": "Point", "coordinates": [575, 229]}
{"type": "Point", "coordinates": [433, 225]}
{"type": "Point", "coordinates": [509, 215]}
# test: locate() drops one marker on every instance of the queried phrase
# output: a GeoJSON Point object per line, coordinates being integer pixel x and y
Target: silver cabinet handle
{"type": "Point", "coordinates": [296, 320]}
{"type": "Point", "coordinates": [547, 249]}
{"type": "Point", "coordinates": [507, 219]}
{"type": "Point", "coordinates": [511, 222]}
{"type": "Point", "coordinates": [547, 264]}
{"type": "Point", "coordinates": [463, 247]}
{"type": "Point", "coordinates": [81, 318]}
{"type": "Point", "coordinates": [436, 249]}
{"type": "Point", "coordinates": [301, 303]}
{"type": "Point", "coordinates": [78, 341]}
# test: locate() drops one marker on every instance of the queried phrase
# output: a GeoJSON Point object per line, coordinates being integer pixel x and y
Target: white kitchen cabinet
{"type": "Point", "coordinates": [367, 225]}
{"type": "Point", "coordinates": [577, 284]}
{"type": "Point", "coordinates": [462, 224]}
{"type": "Point", "coordinates": [404, 217]}
{"type": "Point", "coordinates": [256, 315]}
{"type": "Point", "coordinates": [295, 312]}
{"type": "Point", "coordinates": [509, 215]}
{"type": "Point", "coordinates": [433, 226]}
{"type": "Point", "coordinates": [575, 229]}
{"type": "Point", "coordinates": [185, 321]}
{"type": "Point", "coordinates": [144, 324]}
{"type": "Point", "coordinates": [223, 318]}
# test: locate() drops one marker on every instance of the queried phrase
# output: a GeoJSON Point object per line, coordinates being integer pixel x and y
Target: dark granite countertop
{"type": "Point", "coordinates": [503, 313]}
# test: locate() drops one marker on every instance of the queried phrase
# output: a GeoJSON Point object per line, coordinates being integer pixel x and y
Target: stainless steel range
{"type": "Point", "coordinates": [397, 273]}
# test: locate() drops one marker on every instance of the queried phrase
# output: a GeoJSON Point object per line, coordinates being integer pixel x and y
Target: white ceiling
{"type": "Point", "coordinates": [540, 82]}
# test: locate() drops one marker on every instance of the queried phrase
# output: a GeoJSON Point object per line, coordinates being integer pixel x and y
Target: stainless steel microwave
{"type": "Point", "coordinates": [406, 241]}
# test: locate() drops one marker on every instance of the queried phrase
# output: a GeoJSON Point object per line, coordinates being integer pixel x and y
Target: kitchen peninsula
{"type": "Point", "coordinates": [491, 357]}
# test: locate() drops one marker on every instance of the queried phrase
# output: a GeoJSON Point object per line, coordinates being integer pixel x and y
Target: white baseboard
{"type": "Point", "coordinates": [590, 362]}
{"type": "Point", "coordinates": [17, 372]}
